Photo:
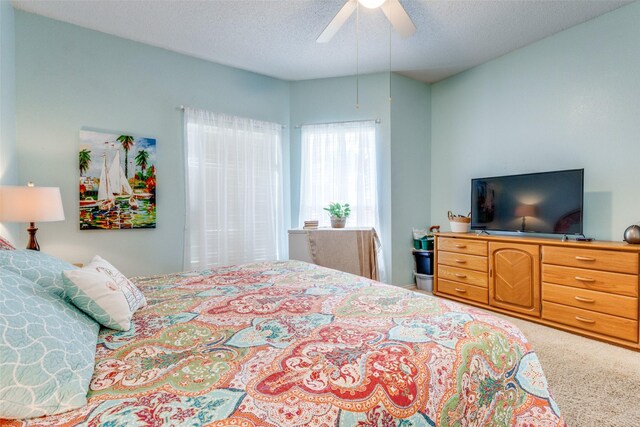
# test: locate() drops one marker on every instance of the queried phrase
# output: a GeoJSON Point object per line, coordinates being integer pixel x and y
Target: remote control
{"type": "Point", "coordinates": [584, 239]}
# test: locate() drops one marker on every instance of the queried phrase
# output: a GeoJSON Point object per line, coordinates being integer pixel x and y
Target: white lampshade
{"type": "Point", "coordinates": [30, 204]}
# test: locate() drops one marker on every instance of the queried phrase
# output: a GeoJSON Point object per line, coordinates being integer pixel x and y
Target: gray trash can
{"type": "Point", "coordinates": [424, 281]}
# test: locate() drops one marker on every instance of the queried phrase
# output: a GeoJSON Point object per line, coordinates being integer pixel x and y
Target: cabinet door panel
{"type": "Point", "coordinates": [514, 277]}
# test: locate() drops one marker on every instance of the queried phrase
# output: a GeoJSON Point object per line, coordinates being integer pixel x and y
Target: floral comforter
{"type": "Point", "coordinates": [292, 344]}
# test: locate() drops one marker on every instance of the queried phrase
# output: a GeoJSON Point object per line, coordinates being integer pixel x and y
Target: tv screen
{"type": "Point", "coordinates": [547, 202]}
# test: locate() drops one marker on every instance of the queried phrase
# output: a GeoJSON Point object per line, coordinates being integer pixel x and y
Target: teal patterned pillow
{"type": "Point", "coordinates": [48, 350]}
{"type": "Point", "coordinates": [38, 267]}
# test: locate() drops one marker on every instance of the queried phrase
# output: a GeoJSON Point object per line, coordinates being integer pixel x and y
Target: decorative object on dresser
{"type": "Point", "coordinates": [632, 234]}
{"type": "Point", "coordinates": [339, 214]}
{"type": "Point", "coordinates": [588, 288]}
{"type": "Point", "coordinates": [459, 223]}
{"type": "Point", "coordinates": [31, 204]}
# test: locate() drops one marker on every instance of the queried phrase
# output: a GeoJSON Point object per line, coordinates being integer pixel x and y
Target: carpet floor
{"type": "Point", "coordinates": [595, 384]}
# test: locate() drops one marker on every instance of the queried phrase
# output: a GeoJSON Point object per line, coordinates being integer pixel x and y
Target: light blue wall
{"type": "Point", "coordinates": [69, 77]}
{"type": "Point", "coordinates": [8, 162]}
{"type": "Point", "coordinates": [403, 147]}
{"type": "Point", "coordinates": [571, 100]}
{"type": "Point", "coordinates": [410, 169]}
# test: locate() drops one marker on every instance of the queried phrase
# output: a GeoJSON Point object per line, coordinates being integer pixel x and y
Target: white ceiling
{"type": "Point", "coordinates": [277, 37]}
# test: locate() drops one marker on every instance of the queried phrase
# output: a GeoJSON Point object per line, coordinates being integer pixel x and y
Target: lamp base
{"type": "Point", "coordinates": [33, 242]}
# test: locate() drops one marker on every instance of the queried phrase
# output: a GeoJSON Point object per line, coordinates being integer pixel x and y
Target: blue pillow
{"type": "Point", "coordinates": [48, 351]}
{"type": "Point", "coordinates": [38, 267]}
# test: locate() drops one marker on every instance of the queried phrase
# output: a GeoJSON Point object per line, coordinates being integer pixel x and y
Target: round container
{"type": "Point", "coordinates": [632, 234]}
{"type": "Point", "coordinates": [459, 227]}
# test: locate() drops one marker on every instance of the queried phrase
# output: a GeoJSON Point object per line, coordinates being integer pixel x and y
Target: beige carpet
{"type": "Point", "coordinates": [594, 384]}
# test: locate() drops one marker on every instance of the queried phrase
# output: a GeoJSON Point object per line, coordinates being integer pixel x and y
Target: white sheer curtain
{"type": "Point", "coordinates": [339, 165]}
{"type": "Point", "coordinates": [234, 190]}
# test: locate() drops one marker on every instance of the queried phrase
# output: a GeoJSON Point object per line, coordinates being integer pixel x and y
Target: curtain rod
{"type": "Point", "coordinates": [344, 121]}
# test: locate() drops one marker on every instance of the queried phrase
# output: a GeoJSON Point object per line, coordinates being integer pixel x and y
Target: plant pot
{"type": "Point", "coordinates": [338, 222]}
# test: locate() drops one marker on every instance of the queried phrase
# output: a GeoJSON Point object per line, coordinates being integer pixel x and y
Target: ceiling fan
{"type": "Point", "coordinates": [392, 9]}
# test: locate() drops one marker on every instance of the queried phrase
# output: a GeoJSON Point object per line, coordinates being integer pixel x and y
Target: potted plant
{"type": "Point", "coordinates": [339, 214]}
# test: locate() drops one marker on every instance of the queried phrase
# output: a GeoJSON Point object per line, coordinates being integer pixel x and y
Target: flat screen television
{"type": "Point", "coordinates": [546, 202]}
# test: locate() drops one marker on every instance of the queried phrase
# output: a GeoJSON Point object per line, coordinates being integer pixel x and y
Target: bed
{"type": "Point", "coordinates": [292, 344]}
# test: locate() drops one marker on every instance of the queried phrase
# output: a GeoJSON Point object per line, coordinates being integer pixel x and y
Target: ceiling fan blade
{"type": "Point", "coordinates": [337, 21]}
{"type": "Point", "coordinates": [398, 17]}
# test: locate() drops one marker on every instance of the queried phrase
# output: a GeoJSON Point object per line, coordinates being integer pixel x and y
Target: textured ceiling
{"type": "Point", "coordinates": [277, 37]}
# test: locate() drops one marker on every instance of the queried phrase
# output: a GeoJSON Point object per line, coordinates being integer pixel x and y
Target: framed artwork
{"type": "Point", "coordinates": [117, 185]}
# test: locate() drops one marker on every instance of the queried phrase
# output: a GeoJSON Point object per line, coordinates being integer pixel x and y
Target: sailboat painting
{"type": "Point", "coordinates": [117, 181]}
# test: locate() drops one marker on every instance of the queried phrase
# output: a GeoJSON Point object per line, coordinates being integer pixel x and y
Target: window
{"type": "Point", "coordinates": [234, 190]}
{"type": "Point", "coordinates": [339, 165]}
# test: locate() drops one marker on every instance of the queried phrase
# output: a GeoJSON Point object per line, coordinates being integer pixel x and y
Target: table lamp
{"type": "Point", "coordinates": [31, 204]}
{"type": "Point", "coordinates": [525, 211]}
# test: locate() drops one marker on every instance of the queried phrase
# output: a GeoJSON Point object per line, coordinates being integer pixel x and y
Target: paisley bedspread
{"type": "Point", "coordinates": [293, 344]}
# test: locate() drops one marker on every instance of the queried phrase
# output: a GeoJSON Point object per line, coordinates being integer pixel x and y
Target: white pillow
{"type": "Point", "coordinates": [104, 293]}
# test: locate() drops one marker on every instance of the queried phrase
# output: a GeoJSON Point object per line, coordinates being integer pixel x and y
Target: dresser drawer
{"type": "Point", "coordinates": [472, 262]}
{"type": "Point", "coordinates": [621, 262]}
{"type": "Point", "coordinates": [464, 246]}
{"type": "Point", "coordinates": [591, 321]}
{"type": "Point", "coordinates": [471, 293]}
{"type": "Point", "coordinates": [601, 302]}
{"type": "Point", "coordinates": [462, 275]}
{"type": "Point", "coordinates": [617, 283]}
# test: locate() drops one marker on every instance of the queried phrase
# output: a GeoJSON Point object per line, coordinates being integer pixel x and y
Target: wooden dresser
{"type": "Point", "coordinates": [588, 288]}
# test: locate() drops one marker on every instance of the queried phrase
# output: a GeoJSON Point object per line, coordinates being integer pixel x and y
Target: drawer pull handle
{"type": "Point", "coordinates": [585, 279]}
{"type": "Point", "coordinates": [583, 299]}
{"type": "Point", "coordinates": [461, 246]}
{"type": "Point", "coordinates": [462, 291]}
{"type": "Point", "coordinates": [461, 261]}
{"type": "Point", "coordinates": [585, 258]}
{"type": "Point", "coordinates": [460, 275]}
{"type": "Point", "coordinates": [582, 319]}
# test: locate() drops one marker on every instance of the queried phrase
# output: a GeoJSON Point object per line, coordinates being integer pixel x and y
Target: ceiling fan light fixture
{"type": "Point", "coordinates": [393, 10]}
{"type": "Point", "coordinates": [371, 4]}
